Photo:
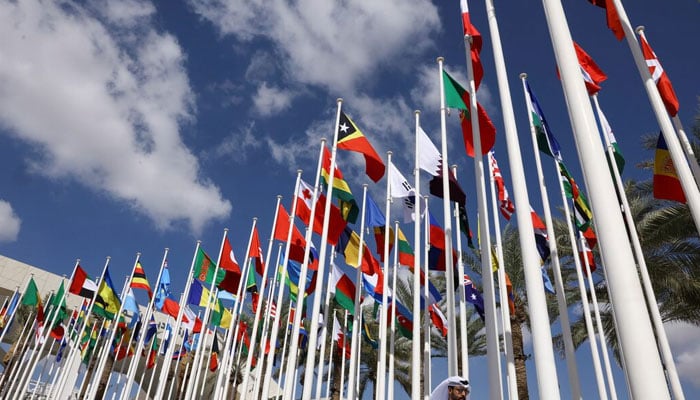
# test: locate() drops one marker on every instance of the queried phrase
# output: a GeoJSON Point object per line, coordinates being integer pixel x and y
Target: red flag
{"type": "Point", "coordinates": [487, 131]}
{"type": "Point", "coordinates": [352, 139]}
{"type": "Point", "coordinates": [668, 95]}
{"type": "Point", "coordinates": [305, 202]}
{"type": "Point", "coordinates": [592, 74]}
{"type": "Point", "coordinates": [613, 18]}
{"type": "Point", "coordinates": [81, 284]}
{"type": "Point", "coordinates": [256, 252]}
{"type": "Point", "coordinates": [505, 204]}
{"type": "Point", "coordinates": [438, 319]}
{"type": "Point", "coordinates": [298, 243]}
{"type": "Point", "coordinates": [470, 29]}
{"type": "Point", "coordinates": [511, 296]}
{"type": "Point", "coordinates": [667, 186]}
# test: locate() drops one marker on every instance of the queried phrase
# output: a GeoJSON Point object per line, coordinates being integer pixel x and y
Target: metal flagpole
{"type": "Point", "coordinates": [502, 290]}
{"type": "Point", "coordinates": [426, 292]}
{"type": "Point", "coordinates": [321, 273]}
{"type": "Point", "coordinates": [324, 331]}
{"type": "Point", "coordinates": [449, 272]}
{"type": "Point", "coordinates": [381, 361]}
{"type": "Point", "coordinates": [662, 339]}
{"type": "Point", "coordinates": [356, 345]}
{"type": "Point", "coordinates": [643, 365]}
{"type": "Point", "coordinates": [569, 349]}
{"type": "Point", "coordinates": [280, 293]}
{"type": "Point", "coordinates": [394, 292]}
{"type": "Point", "coordinates": [415, 343]}
{"type": "Point", "coordinates": [464, 342]}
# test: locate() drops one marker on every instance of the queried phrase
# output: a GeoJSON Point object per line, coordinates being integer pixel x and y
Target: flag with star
{"type": "Point", "coordinates": [352, 139]}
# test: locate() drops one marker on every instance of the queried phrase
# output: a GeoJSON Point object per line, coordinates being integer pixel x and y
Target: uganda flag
{"type": "Point", "coordinates": [138, 279]}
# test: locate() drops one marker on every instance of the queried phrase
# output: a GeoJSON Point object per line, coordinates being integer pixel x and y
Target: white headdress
{"type": "Point", "coordinates": [441, 392]}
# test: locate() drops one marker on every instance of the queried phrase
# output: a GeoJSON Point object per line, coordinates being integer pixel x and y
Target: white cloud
{"type": "Point", "coordinates": [236, 146]}
{"type": "Point", "coordinates": [270, 100]}
{"type": "Point", "coordinates": [103, 108]}
{"type": "Point", "coordinates": [330, 44]}
{"type": "Point", "coordinates": [9, 222]}
{"type": "Point", "coordinates": [684, 343]}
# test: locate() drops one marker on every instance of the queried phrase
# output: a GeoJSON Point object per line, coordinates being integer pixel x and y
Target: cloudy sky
{"type": "Point", "coordinates": [131, 126]}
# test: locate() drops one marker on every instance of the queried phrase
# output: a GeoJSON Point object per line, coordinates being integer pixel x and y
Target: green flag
{"type": "Point", "coordinates": [582, 212]}
{"type": "Point", "coordinates": [31, 295]}
{"type": "Point", "coordinates": [455, 95]}
{"type": "Point", "coordinates": [58, 303]}
{"type": "Point", "coordinates": [204, 269]}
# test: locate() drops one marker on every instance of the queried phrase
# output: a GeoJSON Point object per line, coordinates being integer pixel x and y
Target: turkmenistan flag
{"type": "Point", "coordinates": [344, 290]}
{"type": "Point", "coordinates": [204, 269]}
{"type": "Point", "coordinates": [107, 302]}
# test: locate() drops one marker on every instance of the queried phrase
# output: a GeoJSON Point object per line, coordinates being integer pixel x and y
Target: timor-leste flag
{"type": "Point", "coordinates": [352, 139]}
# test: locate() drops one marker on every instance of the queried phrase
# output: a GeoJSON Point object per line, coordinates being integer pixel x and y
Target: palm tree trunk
{"type": "Point", "coordinates": [519, 354]}
{"type": "Point", "coordinates": [102, 385]}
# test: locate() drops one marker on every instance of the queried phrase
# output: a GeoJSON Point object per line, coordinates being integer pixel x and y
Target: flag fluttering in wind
{"type": "Point", "coordinates": [343, 288]}
{"type": "Point", "coordinates": [341, 189]}
{"type": "Point", "coordinates": [505, 204]}
{"type": "Point", "coordinates": [592, 74]}
{"type": "Point", "coordinates": [546, 141]}
{"type": "Point", "coordinates": [457, 97]}
{"type": "Point", "coordinates": [82, 285]}
{"type": "Point", "coordinates": [352, 139]}
{"type": "Point", "coordinates": [613, 19]}
{"type": "Point", "coordinates": [663, 83]}
{"type": "Point", "coordinates": [667, 186]}
{"type": "Point", "coordinates": [305, 201]}
{"type": "Point", "coordinates": [232, 274]}
{"type": "Point", "coordinates": [139, 280]}
{"type": "Point", "coordinates": [107, 302]}
{"type": "Point", "coordinates": [476, 43]}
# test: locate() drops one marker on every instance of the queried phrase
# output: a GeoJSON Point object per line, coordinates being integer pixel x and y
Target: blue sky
{"type": "Point", "coordinates": [131, 126]}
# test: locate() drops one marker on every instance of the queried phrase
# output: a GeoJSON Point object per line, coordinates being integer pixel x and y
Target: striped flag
{"type": "Point", "coordinates": [139, 280]}
{"type": "Point", "coordinates": [505, 204]}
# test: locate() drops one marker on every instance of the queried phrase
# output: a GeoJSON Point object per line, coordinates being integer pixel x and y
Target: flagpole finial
{"type": "Point", "coordinates": [225, 230]}
{"type": "Point", "coordinates": [299, 171]}
{"type": "Point", "coordinates": [167, 249]}
{"type": "Point", "coordinates": [388, 153]}
{"type": "Point", "coordinates": [639, 29]}
{"type": "Point", "coordinates": [199, 242]}
{"type": "Point", "coordinates": [109, 258]}
{"type": "Point", "coordinates": [417, 112]}
{"type": "Point", "coordinates": [339, 100]}
{"type": "Point", "coordinates": [364, 185]}
{"type": "Point", "coordinates": [138, 254]}
{"type": "Point", "coordinates": [440, 59]}
{"type": "Point", "coordinates": [255, 219]}
{"type": "Point", "coordinates": [454, 167]}
{"type": "Point", "coordinates": [279, 196]}
{"type": "Point", "coordinates": [77, 261]}
{"type": "Point", "coordinates": [323, 141]}
{"type": "Point", "coordinates": [523, 75]}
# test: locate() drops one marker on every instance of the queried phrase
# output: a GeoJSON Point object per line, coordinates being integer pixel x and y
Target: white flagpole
{"type": "Point", "coordinates": [178, 322]}
{"type": "Point", "coordinates": [356, 345]}
{"type": "Point", "coordinates": [268, 311]}
{"type": "Point", "coordinates": [133, 365]}
{"type": "Point", "coordinates": [687, 148]}
{"type": "Point", "coordinates": [324, 332]}
{"type": "Point", "coordinates": [539, 320]}
{"type": "Point", "coordinates": [342, 363]}
{"type": "Point", "coordinates": [329, 381]}
{"type": "Point", "coordinates": [569, 349]}
{"type": "Point", "coordinates": [449, 272]}
{"type": "Point", "coordinates": [492, 346]}
{"type": "Point", "coordinates": [88, 313]}
{"type": "Point", "coordinates": [381, 362]}
{"type": "Point", "coordinates": [280, 293]}
{"type": "Point", "coordinates": [394, 292]}
{"type": "Point", "coordinates": [427, 387]}
{"type": "Point", "coordinates": [662, 339]}
{"type": "Point", "coordinates": [685, 175]}
{"type": "Point", "coordinates": [464, 342]}
{"type": "Point", "coordinates": [313, 335]}
{"type": "Point", "coordinates": [41, 373]}
{"type": "Point", "coordinates": [502, 290]}
{"type": "Point", "coordinates": [643, 365]}
{"type": "Point", "coordinates": [258, 310]}
{"type": "Point", "coordinates": [22, 340]}
{"type": "Point", "coordinates": [415, 343]}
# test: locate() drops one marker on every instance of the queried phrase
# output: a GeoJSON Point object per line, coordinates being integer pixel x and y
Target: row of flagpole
{"type": "Point", "coordinates": [643, 367]}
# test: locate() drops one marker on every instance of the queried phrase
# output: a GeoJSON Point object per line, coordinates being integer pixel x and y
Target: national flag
{"type": "Point", "coordinates": [607, 130]}
{"type": "Point", "coordinates": [373, 215]}
{"type": "Point", "coordinates": [473, 296]}
{"type": "Point", "coordinates": [205, 268]}
{"type": "Point", "coordinates": [430, 160]}
{"type": "Point", "coordinates": [592, 74]}
{"type": "Point", "coordinates": [406, 256]}
{"type": "Point", "coordinates": [9, 310]}
{"type": "Point", "coordinates": [379, 239]}
{"type": "Point", "coordinates": [352, 139]}
{"type": "Point", "coordinates": [139, 280]}
{"type": "Point", "coordinates": [341, 189]}
{"type": "Point", "coordinates": [667, 186]}
{"type": "Point", "coordinates": [251, 285]}
{"type": "Point", "coordinates": [232, 276]}
{"type": "Point", "coordinates": [107, 302]}
{"type": "Point", "coordinates": [400, 188]}
{"type": "Point", "coordinates": [163, 288]}
{"type": "Point", "coordinates": [663, 83]}
{"type": "Point", "coordinates": [511, 296]}
{"type": "Point", "coordinates": [305, 201]}
{"type": "Point", "coordinates": [39, 322]}
{"type": "Point", "coordinates": [190, 321]}
{"type": "Point", "coordinates": [220, 315]}
{"type": "Point", "coordinates": [198, 295]}
{"type": "Point", "coordinates": [470, 29]}
{"type": "Point", "coordinates": [541, 239]}
{"type": "Point", "coordinates": [256, 252]}
{"type": "Point", "coordinates": [613, 19]}
{"type": "Point", "coordinates": [343, 289]}
{"type": "Point", "coordinates": [298, 243]}
{"type": "Point", "coordinates": [131, 306]}
{"type": "Point", "coordinates": [403, 317]}
{"type": "Point", "coordinates": [438, 319]}
{"type": "Point", "coordinates": [152, 353]}
{"type": "Point", "coordinates": [87, 343]}
{"type": "Point", "coordinates": [590, 237]}
{"type": "Point", "coordinates": [81, 284]}
{"type": "Point", "coordinates": [214, 359]}
{"type": "Point", "coordinates": [293, 276]}
{"type": "Point", "coordinates": [366, 334]}
{"type": "Point", "coordinates": [349, 246]}
{"type": "Point", "coordinates": [546, 141]}
{"type": "Point", "coordinates": [243, 336]}
{"type": "Point", "coordinates": [436, 253]}
{"type": "Point", "coordinates": [505, 204]}
{"type": "Point", "coordinates": [546, 281]}
{"type": "Point", "coordinates": [58, 305]}
{"type": "Point", "coordinates": [339, 338]}
{"type": "Point", "coordinates": [582, 212]}
{"type": "Point", "coordinates": [457, 97]}
{"type": "Point", "coordinates": [464, 225]}
{"type": "Point", "coordinates": [585, 255]}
